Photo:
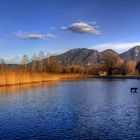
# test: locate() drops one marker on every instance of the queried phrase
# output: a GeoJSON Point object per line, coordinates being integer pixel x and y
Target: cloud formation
{"type": "Point", "coordinates": [118, 47]}
{"type": "Point", "coordinates": [82, 27]}
{"type": "Point", "coordinates": [33, 36]}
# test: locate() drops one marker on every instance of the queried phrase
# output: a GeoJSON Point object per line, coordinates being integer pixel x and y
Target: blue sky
{"type": "Point", "coordinates": [28, 26]}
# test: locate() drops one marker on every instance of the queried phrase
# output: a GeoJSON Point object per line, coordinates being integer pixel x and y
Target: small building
{"type": "Point", "coordinates": [102, 73]}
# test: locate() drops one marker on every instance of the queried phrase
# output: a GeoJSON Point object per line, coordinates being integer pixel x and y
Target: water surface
{"type": "Point", "coordinates": [87, 109]}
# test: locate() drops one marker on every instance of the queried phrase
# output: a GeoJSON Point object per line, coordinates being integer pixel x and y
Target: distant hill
{"type": "Point", "coordinates": [109, 51]}
{"type": "Point", "coordinates": [78, 57]}
{"type": "Point", "coordinates": [132, 54]}
{"type": "Point", "coordinates": [84, 56]}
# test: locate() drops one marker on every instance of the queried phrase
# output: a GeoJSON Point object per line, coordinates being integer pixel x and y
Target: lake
{"type": "Point", "coordinates": [96, 109]}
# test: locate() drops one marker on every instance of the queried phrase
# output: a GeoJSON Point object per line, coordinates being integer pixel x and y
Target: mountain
{"type": "Point", "coordinates": [132, 54]}
{"type": "Point", "coordinates": [82, 56]}
{"type": "Point", "coordinates": [109, 51]}
{"type": "Point", "coordinates": [78, 57]}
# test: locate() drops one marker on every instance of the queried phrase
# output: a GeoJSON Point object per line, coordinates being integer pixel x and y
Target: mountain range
{"type": "Point", "coordinates": [84, 56]}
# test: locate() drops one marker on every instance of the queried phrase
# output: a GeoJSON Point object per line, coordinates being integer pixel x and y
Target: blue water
{"type": "Point", "coordinates": [94, 109]}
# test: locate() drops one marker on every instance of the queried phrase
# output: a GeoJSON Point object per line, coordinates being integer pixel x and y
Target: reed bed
{"type": "Point", "coordinates": [14, 77]}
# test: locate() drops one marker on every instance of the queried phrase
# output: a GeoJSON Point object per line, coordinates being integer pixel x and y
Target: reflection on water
{"type": "Point", "coordinates": [25, 87]}
{"type": "Point", "coordinates": [86, 109]}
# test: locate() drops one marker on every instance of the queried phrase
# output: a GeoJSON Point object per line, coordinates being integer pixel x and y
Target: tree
{"type": "Point", "coordinates": [34, 62]}
{"type": "Point", "coordinates": [25, 60]}
{"type": "Point", "coordinates": [41, 60]}
{"type": "Point", "coordinates": [138, 67]}
{"type": "Point", "coordinates": [131, 65]}
{"type": "Point", "coordinates": [109, 72]}
{"type": "Point", "coordinates": [2, 64]}
{"type": "Point", "coordinates": [53, 65]}
{"type": "Point", "coordinates": [123, 68]}
{"type": "Point", "coordinates": [48, 57]}
{"type": "Point", "coordinates": [109, 61]}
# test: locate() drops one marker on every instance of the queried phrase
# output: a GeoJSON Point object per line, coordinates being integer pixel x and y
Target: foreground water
{"type": "Point", "coordinates": [88, 109]}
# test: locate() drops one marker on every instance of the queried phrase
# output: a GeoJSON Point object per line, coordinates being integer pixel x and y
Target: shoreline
{"type": "Point", "coordinates": [42, 78]}
{"type": "Point", "coordinates": [30, 78]}
{"type": "Point", "coordinates": [118, 77]}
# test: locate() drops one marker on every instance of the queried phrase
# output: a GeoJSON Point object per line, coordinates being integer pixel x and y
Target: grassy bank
{"type": "Point", "coordinates": [15, 77]}
{"type": "Point", "coordinates": [11, 77]}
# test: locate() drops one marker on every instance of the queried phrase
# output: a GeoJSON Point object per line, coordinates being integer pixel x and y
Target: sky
{"type": "Point", "coordinates": [55, 26]}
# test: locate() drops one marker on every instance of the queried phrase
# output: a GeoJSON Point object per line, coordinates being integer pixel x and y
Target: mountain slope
{"type": "Point", "coordinates": [132, 54]}
{"type": "Point", "coordinates": [86, 56]}
{"type": "Point", "coordinates": [83, 56]}
{"type": "Point", "coordinates": [78, 57]}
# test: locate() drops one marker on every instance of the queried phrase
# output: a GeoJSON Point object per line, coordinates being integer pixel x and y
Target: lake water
{"type": "Point", "coordinates": [95, 109]}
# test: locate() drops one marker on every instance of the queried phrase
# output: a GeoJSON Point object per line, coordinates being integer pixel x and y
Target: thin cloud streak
{"type": "Point", "coordinates": [33, 36]}
{"type": "Point", "coordinates": [118, 47]}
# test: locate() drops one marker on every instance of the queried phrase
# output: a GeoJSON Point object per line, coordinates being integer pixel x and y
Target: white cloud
{"type": "Point", "coordinates": [118, 47]}
{"type": "Point", "coordinates": [33, 36]}
{"type": "Point", "coordinates": [82, 27]}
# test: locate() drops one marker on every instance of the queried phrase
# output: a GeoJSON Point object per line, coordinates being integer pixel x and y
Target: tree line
{"type": "Point", "coordinates": [110, 64]}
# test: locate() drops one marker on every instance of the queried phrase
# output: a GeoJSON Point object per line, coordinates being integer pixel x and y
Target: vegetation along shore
{"type": "Point", "coordinates": [41, 68]}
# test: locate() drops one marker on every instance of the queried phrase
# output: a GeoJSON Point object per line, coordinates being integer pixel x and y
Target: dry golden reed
{"type": "Point", "coordinates": [13, 77]}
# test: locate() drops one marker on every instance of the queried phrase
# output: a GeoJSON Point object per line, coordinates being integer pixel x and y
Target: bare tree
{"type": "Point", "coordinates": [53, 65]}
{"type": "Point", "coordinates": [34, 62]}
{"type": "Point", "coordinates": [48, 57]}
{"type": "Point", "coordinates": [110, 60]}
{"type": "Point", "coordinates": [131, 65]}
{"type": "Point", "coordinates": [41, 60]}
{"type": "Point", "coordinates": [2, 64]}
{"type": "Point", "coordinates": [25, 60]}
